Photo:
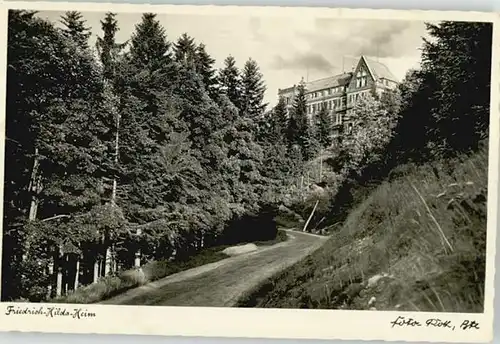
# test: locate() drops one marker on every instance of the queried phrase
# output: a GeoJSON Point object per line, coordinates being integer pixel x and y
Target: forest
{"type": "Point", "coordinates": [142, 151]}
{"type": "Point", "coordinates": [130, 152]}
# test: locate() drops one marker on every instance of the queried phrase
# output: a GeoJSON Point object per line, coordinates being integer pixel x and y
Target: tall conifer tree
{"type": "Point", "coordinates": [230, 81]}
{"type": "Point", "coordinates": [253, 90]}
{"type": "Point", "coordinates": [204, 66]}
{"type": "Point", "coordinates": [149, 46]}
{"type": "Point", "coordinates": [75, 28]}
{"type": "Point", "coordinates": [185, 51]}
{"type": "Point", "coordinates": [324, 126]}
{"type": "Point", "coordinates": [107, 46]}
{"type": "Point", "coordinates": [298, 128]}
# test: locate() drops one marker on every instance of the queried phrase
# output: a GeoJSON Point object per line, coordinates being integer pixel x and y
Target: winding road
{"type": "Point", "coordinates": [223, 283]}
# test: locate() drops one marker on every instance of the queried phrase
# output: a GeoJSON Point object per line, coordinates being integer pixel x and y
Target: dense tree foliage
{"type": "Point", "coordinates": [134, 155]}
{"type": "Point", "coordinates": [445, 104]}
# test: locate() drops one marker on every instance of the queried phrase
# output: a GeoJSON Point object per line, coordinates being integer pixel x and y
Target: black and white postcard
{"type": "Point", "coordinates": [231, 171]}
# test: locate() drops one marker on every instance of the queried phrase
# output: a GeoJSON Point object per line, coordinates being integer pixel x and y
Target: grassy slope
{"type": "Point", "coordinates": [110, 286]}
{"type": "Point", "coordinates": [420, 240]}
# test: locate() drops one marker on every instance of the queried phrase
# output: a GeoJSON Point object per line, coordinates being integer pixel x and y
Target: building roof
{"type": "Point", "coordinates": [286, 90]}
{"type": "Point", "coordinates": [332, 81]}
{"type": "Point", "coordinates": [379, 69]}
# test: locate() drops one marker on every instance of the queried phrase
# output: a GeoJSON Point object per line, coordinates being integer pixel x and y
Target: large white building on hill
{"type": "Point", "coordinates": [340, 92]}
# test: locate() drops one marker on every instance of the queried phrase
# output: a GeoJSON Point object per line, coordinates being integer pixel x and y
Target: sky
{"type": "Point", "coordinates": [286, 50]}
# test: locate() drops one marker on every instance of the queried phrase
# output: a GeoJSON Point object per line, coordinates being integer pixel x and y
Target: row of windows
{"type": "Point", "coordinates": [353, 98]}
{"type": "Point", "coordinates": [336, 103]}
{"type": "Point", "coordinates": [328, 92]}
{"type": "Point", "coordinates": [329, 105]}
{"type": "Point", "coordinates": [361, 82]}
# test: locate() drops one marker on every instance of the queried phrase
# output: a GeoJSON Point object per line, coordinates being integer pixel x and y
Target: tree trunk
{"type": "Point", "coordinates": [108, 261]}
{"type": "Point", "coordinates": [113, 193]}
{"type": "Point", "coordinates": [59, 272]}
{"type": "Point", "coordinates": [59, 281]}
{"type": "Point", "coordinates": [137, 261]}
{"type": "Point", "coordinates": [77, 272]}
{"type": "Point", "coordinates": [110, 264]}
{"type": "Point", "coordinates": [50, 272]}
{"type": "Point", "coordinates": [113, 259]}
{"type": "Point", "coordinates": [96, 270]}
{"type": "Point", "coordinates": [310, 217]}
{"type": "Point", "coordinates": [67, 274]}
{"type": "Point", "coordinates": [34, 187]}
{"type": "Point", "coordinates": [114, 267]}
{"type": "Point", "coordinates": [117, 147]}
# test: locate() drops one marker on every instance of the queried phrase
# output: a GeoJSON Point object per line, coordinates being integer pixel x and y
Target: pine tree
{"type": "Point", "coordinates": [149, 46]}
{"type": "Point", "coordinates": [147, 78]}
{"type": "Point", "coordinates": [109, 52]}
{"type": "Point", "coordinates": [107, 46]}
{"type": "Point", "coordinates": [147, 71]}
{"type": "Point", "coordinates": [298, 127]}
{"type": "Point", "coordinates": [311, 143]}
{"type": "Point", "coordinates": [278, 122]}
{"type": "Point", "coordinates": [185, 51]}
{"type": "Point", "coordinates": [324, 127]}
{"type": "Point", "coordinates": [74, 28]}
{"type": "Point", "coordinates": [204, 66]}
{"type": "Point", "coordinates": [253, 90]}
{"type": "Point", "coordinates": [230, 81]}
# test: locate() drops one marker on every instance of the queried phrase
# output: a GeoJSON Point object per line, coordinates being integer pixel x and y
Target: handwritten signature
{"type": "Point", "coordinates": [434, 322]}
{"type": "Point", "coordinates": [50, 312]}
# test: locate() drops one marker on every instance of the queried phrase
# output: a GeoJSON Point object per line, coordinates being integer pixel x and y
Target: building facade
{"type": "Point", "coordinates": [339, 93]}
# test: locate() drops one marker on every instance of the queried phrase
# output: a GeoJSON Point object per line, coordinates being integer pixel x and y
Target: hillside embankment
{"type": "Point", "coordinates": [417, 242]}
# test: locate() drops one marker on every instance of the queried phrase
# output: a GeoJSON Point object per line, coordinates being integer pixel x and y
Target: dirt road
{"type": "Point", "coordinates": [222, 283]}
